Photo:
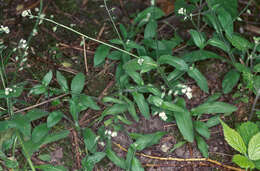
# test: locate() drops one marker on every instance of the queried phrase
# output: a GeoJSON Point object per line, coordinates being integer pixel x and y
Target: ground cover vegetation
{"type": "Point", "coordinates": [155, 77]}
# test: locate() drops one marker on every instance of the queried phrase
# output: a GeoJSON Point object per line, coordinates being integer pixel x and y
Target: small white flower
{"type": "Point", "coordinates": [101, 143]}
{"type": "Point", "coordinates": [72, 25]}
{"type": "Point", "coordinates": [163, 116]}
{"type": "Point", "coordinates": [54, 28]}
{"type": "Point", "coordinates": [170, 92]}
{"type": "Point", "coordinates": [162, 95]}
{"type": "Point", "coordinates": [140, 61]}
{"type": "Point", "coordinates": [248, 11]}
{"type": "Point", "coordinates": [109, 132]}
{"type": "Point", "coordinates": [51, 16]}
{"type": "Point", "coordinates": [256, 40]}
{"type": "Point", "coordinates": [152, 2]}
{"type": "Point", "coordinates": [26, 13]}
{"type": "Point", "coordinates": [127, 41]}
{"type": "Point", "coordinates": [35, 32]}
{"type": "Point", "coordinates": [41, 17]}
{"type": "Point", "coordinates": [182, 11]}
{"type": "Point", "coordinates": [36, 9]}
{"type": "Point", "coordinates": [239, 19]}
{"type": "Point", "coordinates": [114, 134]}
{"type": "Point", "coordinates": [189, 95]}
{"type": "Point", "coordinates": [155, 113]}
{"type": "Point", "coordinates": [4, 29]}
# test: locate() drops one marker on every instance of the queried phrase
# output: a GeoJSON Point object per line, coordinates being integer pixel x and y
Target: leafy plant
{"type": "Point", "coordinates": [246, 140]}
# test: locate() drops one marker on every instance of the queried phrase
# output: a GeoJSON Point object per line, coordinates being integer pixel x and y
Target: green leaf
{"type": "Point", "coordinates": [144, 16]}
{"type": "Point", "coordinates": [230, 81]}
{"type": "Point", "coordinates": [233, 138]}
{"type": "Point", "coordinates": [199, 78]}
{"type": "Point", "coordinates": [35, 114]}
{"type": "Point", "coordinates": [115, 109]}
{"type": "Point", "coordinates": [115, 159]}
{"type": "Point", "coordinates": [198, 38]}
{"type": "Point", "coordinates": [22, 124]}
{"type": "Point", "coordinates": [74, 110]}
{"type": "Point", "coordinates": [202, 145]}
{"type": "Point", "coordinates": [54, 118]}
{"type": "Point", "coordinates": [150, 29]}
{"type": "Point", "coordinates": [247, 130]}
{"type": "Point", "coordinates": [77, 84]}
{"type": "Point", "coordinates": [62, 81]}
{"type": "Point", "coordinates": [171, 107]}
{"type": "Point", "coordinates": [257, 68]}
{"type": "Point", "coordinates": [48, 167]}
{"type": "Point", "coordinates": [142, 104]}
{"type": "Point", "coordinates": [56, 136]}
{"type": "Point", "coordinates": [132, 65]}
{"type": "Point", "coordinates": [90, 140]}
{"type": "Point", "coordinates": [38, 89]}
{"type": "Point", "coordinates": [202, 129]}
{"type": "Point", "coordinates": [184, 123]}
{"type": "Point", "coordinates": [115, 55]}
{"type": "Point", "coordinates": [239, 42]}
{"type": "Point", "coordinates": [213, 121]}
{"type": "Point", "coordinates": [108, 99]}
{"type": "Point", "coordinates": [123, 31]}
{"type": "Point", "coordinates": [131, 109]}
{"type": "Point", "coordinates": [87, 101]}
{"type": "Point", "coordinates": [177, 145]}
{"type": "Point", "coordinates": [148, 64]}
{"type": "Point", "coordinates": [200, 55]}
{"type": "Point", "coordinates": [100, 54]}
{"type": "Point", "coordinates": [254, 147]}
{"type": "Point", "coordinates": [257, 164]}
{"type": "Point", "coordinates": [129, 157]}
{"type": "Point", "coordinates": [218, 43]}
{"type": "Point", "coordinates": [225, 20]}
{"type": "Point", "coordinates": [136, 165]}
{"type": "Point", "coordinates": [243, 161]}
{"type": "Point", "coordinates": [136, 77]}
{"type": "Point", "coordinates": [89, 162]}
{"type": "Point", "coordinates": [47, 78]}
{"type": "Point", "coordinates": [213, 97]}
{"type": "Point", "coordinates": [124, 120]}
{"type": "Point", "coordinates": [174, 61]}
{"type": "Point", "coordinates": [45, 157]}
{"type": "Point", "coordinates": [213, 107]}
{"type": "Point", "coordinates": [40, 132]}
{"type": "Point", "coordinates": [147, 140]}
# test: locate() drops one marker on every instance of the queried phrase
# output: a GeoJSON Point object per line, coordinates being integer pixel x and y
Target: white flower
{"type": "Point", "coordinates": [114, 134]}
{"type": "Point", "coordinates": [22, 44]}
{"type": "Point", "coordinates": [256, 40]}
{"type": "Point", "coordinates": [5, 29]}
{"type": "Point", "coordinates": [52, 16]}
{"type": "Point", "coordinates": [54, 28]}
{"type": "Point", "coordinates": [163, 116]}
{"type": "Point", "coordinates": [140, 61]}
{"type": "Point", "coordinates": [26, 13]}
{"type": "Point", "coordinates": [248, 11]}
{"type": "Point", "coordinates": [101, 143]}
{"type": "Point", "coordinates": [182, 11]}
{"type": "Point", "coordinates": [239, 19]}
{"type": "Point", "coordinates": [72, 25]}
{"type": "Point", "coordinates": [41, 17]}
{"type": "Point", "coordinates": [163, 94]}
{"type": "Point", "coordinates": [35, 32]}
{"type": "Point", "coordinates": [36, 9]}
{"type": "Point", "coordinates": [152, 2]}
{"type": "Point", "coordinates": [8, 90]}
{"type": "Point", "coordinates": [170, 92]}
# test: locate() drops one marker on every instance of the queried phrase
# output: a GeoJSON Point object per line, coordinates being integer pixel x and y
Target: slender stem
{"type": "Point", "coordinates": [87, 37]}
{"type": "Point", "coordinates": [254, 104]}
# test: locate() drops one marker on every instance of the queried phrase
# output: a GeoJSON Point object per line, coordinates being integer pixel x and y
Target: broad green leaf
{"type": "Point", "coordinates": [35, 114]}
{"type": "Point", "coordinates": [257, 164]}
{"type": "Point", "coordinates": [230, 81]}
{"type": "Point", "coordinates": [62, 81]}
{"type": "Point", "coordinates": [74, 110]}
{"type": "Point", "coordinates": [129, 157]}
{"type": "Point", "coordinates": [147, 140]}
{"type": "Point", "coordinates": [56, 136]}
{"type": "Point", "coordinates": [213, 107]}
{"type": "Point", "coordinates": [150, 29]}
{"type": "Point", "coordinates": [89, 162]}
{"type": "Point", "coordinates": [48, 167]}
{"type": "Point", "coordinates": [77, 84]}
{"type": "Point", "coordinates": [241, 67]}
{"type": "Point", "coordinates": [230, 6]}
{"type": "Point", "coordinates": [54, 118]}
{"type": "Point", "coordinates": [174, 61]}
{"type": "Point", "coordinates": [136, 165]}
{"type": "Point", "coordinates": [225, 20]}
{"type": "Point", "coordinates": [199, 78]}
{"type": "Point", "coordinates": [202, 129]}
{"type": "Point", "coordinates": [213, 97]}
{"type": "Point", "coordinates": [177, 145]}
{"type": "Point", "coordinates": [30, 147]}
{"type": "Point", "coordinates": [115, 55]}
{"type": "Point", "coordinates": [198, 38]}
{"type": "Point", "coordinates": [40, 132]}
{"type": "Point", "coordinates": [142, 104]}
{"type": "Point", "coordinates": [45, 157]}
{"type": "Point", "coordinates": [148, 64]}
{"type": "Point", "coordinates": [218, 43]}
{"type": "Point", "coordinates": [233, 138]}
{"type": "Point", "coordinates": [90, 140]}
{"type": "Point", "coordinates": [254, 147]}
{"type": "Point", "coordinates": [136, 77]}
{"type": "Point", "coordinates": [171, 107]}
{"type": "Point", "coordinates": [184, 123]}
{"type": "Point", "coordinates": [87, 101]}
{"type": "Point", "coordinates": [247, 130]}
{"type": "Point", "coordinates": [47, 78]}
{"type": "Point", "coordinates": [213, 121]}
{"type": "Point", "coordinates": [150, 12]}
{"type": "Point", "coordinates": [100, 54]}
{"type": "Point", "coordinates": [108, 99]}
{"type": "Point", "coordinates": [132, 65]}
{"type": "Point", "coordinates": [243, 161]}
{"type": "Point", "coordinates": [38, 89]}
{"type": "Point", "coordinates": [115, 109]}
{"type": "Point", "coordinates": [202, 145]}
{"type": "Point", "coordinates": [115, 159]}
{"type": "Point", "coordinates": [131, 109]}
{"type": "Point", "coordinates": [200, 55]}
{"type": "Point", "coordinates": [123, 31]}
{"type": "Point", "coordinates": [22, 124]}
{"type": "Point", "coordinates": [257, 68]}
{"type": "Point", "coordinates": [239, 42]}
{"type": "Point", "coordinates": [124, 120]}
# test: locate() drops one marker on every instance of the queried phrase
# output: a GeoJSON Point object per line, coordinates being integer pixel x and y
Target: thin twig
{"type": "Point", "coordinates": [85, 55]}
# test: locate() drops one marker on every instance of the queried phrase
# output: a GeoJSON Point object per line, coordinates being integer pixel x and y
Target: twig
{"type": "Point", "coordinates": [183, 160]}
{"type": "Point", "coordinates": [85, 55]}
{"type": "Point", "coordinates": [39, 104]}
{"type": "Point", "coordinates": [75, 140]}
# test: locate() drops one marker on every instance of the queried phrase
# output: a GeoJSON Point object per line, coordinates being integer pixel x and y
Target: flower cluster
{"type": "Point", "coordinates": [163, 116]}
{"type": "Point", "coordinates": [140, 61]}
{"type": "Point", "coordinates": [183, 11]}
{"type": "Point", "coordinates": [22, 44]}
{"type": "Point", "coordinates": [26, 13]}
{"type": "Point", "coordinates": [110, 133]}
{"type": "Point", "coordinates": [4, 29]}
{"type": "Point", "coordinates": [8, 90]}
{"type": "Point", "coordinates": [184, 90]}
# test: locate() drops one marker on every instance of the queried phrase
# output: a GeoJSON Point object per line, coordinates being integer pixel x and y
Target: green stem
{"type": "Point", "coordinates": [87, 37]}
